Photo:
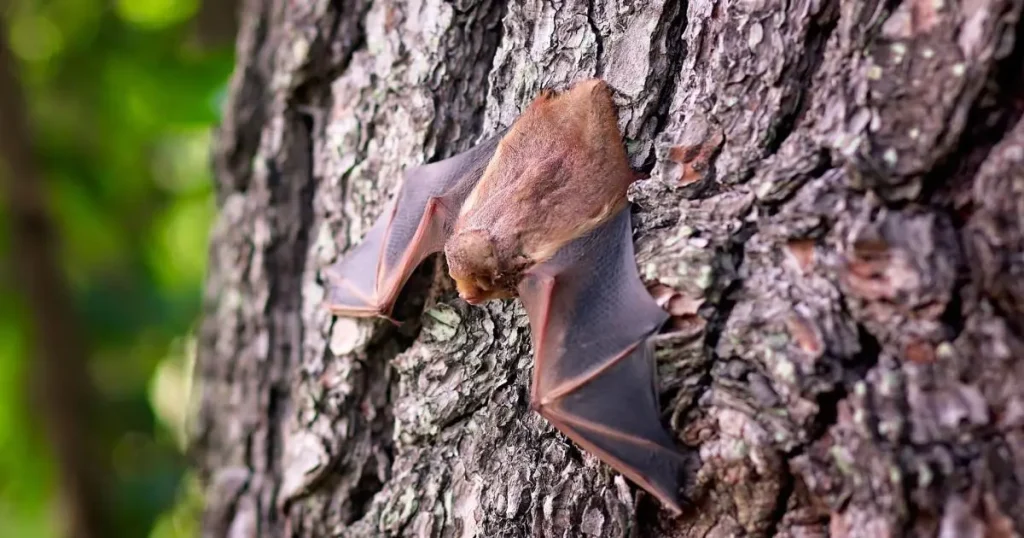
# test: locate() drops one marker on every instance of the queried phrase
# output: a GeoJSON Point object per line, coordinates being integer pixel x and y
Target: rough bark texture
{"type": "Point", "coordinates": [836, 190]}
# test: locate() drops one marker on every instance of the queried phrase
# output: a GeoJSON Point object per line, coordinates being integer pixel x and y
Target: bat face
{"type": "Point", "coordinates": [474, 265]}
{"type": "Point", "coordinates": [559, 172]}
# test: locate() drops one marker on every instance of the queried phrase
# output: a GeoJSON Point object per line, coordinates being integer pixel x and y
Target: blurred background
{"type": "Point", "coordinates": [119, 99]}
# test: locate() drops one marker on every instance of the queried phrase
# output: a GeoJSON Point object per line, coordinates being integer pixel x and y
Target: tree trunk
{"type": "Point", "coordinates": [835, 205]}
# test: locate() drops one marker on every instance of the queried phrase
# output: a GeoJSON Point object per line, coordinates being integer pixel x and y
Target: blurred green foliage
{"type": "Point", "coordinates": [122, 98]}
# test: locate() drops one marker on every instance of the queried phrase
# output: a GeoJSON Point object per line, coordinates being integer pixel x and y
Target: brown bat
{"type": "Point", "coordinates": [541, 213]}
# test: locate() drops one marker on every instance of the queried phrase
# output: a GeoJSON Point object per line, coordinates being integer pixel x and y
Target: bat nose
{"type": "Point", "coordinates": [472, 296]}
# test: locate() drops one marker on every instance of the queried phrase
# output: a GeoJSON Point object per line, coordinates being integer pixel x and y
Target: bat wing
{"type": "Point", "coordinates": [594, 371]}
{"type": "Point", "coordinates": [367, 280]}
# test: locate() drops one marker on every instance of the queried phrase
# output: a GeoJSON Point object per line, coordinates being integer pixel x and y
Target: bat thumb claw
{"type": "Point", "coordinates": [391, 320]}
{"type": "Point", "coordinates": [535, 404]}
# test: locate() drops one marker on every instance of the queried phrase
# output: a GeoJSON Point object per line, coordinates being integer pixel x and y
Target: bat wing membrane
{"type": "Point", "coordinates": [367, 280]}
{"type": "Point", "coordinates": [591, 318]}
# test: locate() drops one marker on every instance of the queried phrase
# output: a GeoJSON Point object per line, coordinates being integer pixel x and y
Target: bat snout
{"type": "Point", "coordinates": [476, 291]}
{"type": "Point", "coordinates": [472, 297]}
{"type": "Point", "coordinates": [475, 300]}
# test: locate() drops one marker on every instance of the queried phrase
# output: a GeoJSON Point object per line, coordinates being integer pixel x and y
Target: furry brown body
{"type": "Point", "coordinates": [559, 172]}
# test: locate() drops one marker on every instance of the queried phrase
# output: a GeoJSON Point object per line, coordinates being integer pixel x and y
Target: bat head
{"type": "Point", "coordinates": [474, 265]}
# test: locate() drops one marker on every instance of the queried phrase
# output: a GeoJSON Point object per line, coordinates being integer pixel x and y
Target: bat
{"type": "Point", "coordinates": [540, 212]}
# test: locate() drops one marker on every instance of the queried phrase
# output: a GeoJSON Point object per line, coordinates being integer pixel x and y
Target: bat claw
{"type": "Point", "coordinates": [391, 320]}
{"type": "Point", "coordinates": [536, 405]}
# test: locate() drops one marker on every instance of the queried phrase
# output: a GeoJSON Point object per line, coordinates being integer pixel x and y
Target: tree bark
{"type": "Point", "coordinates": [835, 205]}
